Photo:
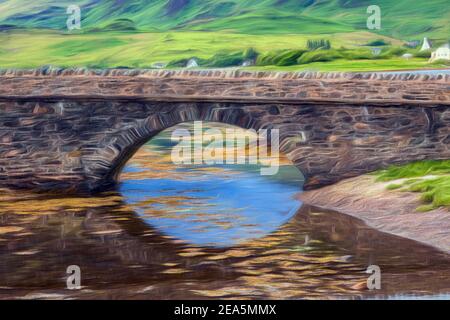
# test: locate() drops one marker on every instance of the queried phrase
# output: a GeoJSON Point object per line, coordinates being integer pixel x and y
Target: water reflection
{"type": "Point", "coordinates": [315, 255]}
{"type": "Point", "coordinates": [124, 254]}
{"type": "Point", "coordinates": [208, 205]}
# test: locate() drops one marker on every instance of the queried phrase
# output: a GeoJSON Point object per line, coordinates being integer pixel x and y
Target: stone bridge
{"type": "Point", "coordinates": [73, 130]}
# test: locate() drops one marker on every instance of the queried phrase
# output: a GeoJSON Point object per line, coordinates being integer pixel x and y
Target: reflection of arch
{"type": "Point", "coordinates": [104, 164]}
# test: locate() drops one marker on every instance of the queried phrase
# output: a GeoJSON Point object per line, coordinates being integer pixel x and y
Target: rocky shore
{"type": "Point", "coordinates": [389, 211]}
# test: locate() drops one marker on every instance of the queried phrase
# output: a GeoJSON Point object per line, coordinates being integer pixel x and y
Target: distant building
{"type": "Point", "coordinates": [376, 51]}
{"type": "Point", "coordinates": [412, 44]}
{"type": "Point", "coordinates": [442, 53]}
{"type": "Point", "coordinates": [159, 65]}
{"type": "Point", "coordinates": [426, 44]}
{"type": "Point", "coordinates": [192, 63]}
{"type": "Point", "coordinates": [407, 56]}
{"type": "Point", "coordinates": [248, 63]}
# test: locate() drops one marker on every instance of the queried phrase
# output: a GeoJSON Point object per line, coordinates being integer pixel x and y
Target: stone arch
{"type": "Point", "coordinates": [103, 164]}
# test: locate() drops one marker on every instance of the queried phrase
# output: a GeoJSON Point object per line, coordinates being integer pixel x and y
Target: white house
{"type": "Point", "coordinates": [426, 44]}
{"type": "Point", "coordinates": [376, 51]}
{"type": "Point", "coordinates": [192, 63]}
{"type": "Point", "coordinates": [159, 65]}
{"type": "Point", "coordinates": [248, 63]}
{"type": "Point", "coordinates": [413, 43]}
{"type": "Point", "coordinates": [407, 56]}
{"type": "Point", "coordinates": [442, 53]}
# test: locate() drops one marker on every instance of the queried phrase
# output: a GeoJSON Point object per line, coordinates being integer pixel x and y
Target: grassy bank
{"type": "Point", "coordinates": [33, 48]}
{"type": "Point", "coordinates": [430, 178]}
{"type": "Point", "coordinates": [356, 65]}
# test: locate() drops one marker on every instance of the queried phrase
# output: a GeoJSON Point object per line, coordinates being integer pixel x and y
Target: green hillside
{"type": "Point", "coordinates": [401, 18]}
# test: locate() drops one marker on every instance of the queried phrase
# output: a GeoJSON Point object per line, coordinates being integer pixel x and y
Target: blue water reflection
{"type": "Point", "coordinates": [208, 205]}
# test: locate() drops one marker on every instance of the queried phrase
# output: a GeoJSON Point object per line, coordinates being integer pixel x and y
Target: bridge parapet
{"type": "Point", "coordinates": [227, 86]}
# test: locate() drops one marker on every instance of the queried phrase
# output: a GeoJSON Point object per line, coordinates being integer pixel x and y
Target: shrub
{"type": "Point", "coordinates": [319, 55]}
{"type": "Point", "coordinates": [181, 63]}
{"type": "Point", "coordinates": [378, 43]}
{"type": "Point", "coordinates": [423, 54]}
{"type": "Point", "coordinates": [280, 57]}
{"type": "Point", "coordinates": [267, 58]}
{"type": "Point", "coordinates": [289, 58]}
{"type": "Point", "coordinates": [250, 54]}
{"type": "Point", "coordinates": [393, 52]}
{"type": "Point", "coordinates": [222, 60]}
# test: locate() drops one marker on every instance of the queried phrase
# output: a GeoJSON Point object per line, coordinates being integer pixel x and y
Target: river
{"type": "Point", "coordinates": [191, 232]}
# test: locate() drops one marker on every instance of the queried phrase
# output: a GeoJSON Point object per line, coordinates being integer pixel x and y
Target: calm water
{"type": "Point", "coordinates": [194, 232]}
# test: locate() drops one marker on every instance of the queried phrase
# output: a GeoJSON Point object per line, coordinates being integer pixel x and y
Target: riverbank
{"type": "Point", "coordinates": [386, 210]}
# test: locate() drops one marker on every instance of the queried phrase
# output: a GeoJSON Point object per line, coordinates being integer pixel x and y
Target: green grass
{"type": "Point", "coordinates": [35, 48]}
{"type": "Point", "coordinates": [414, 170]}
{"type": "Point", "coordinates": [356, 65]}
{"type": "Point", "coordinates": [434, 189]}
